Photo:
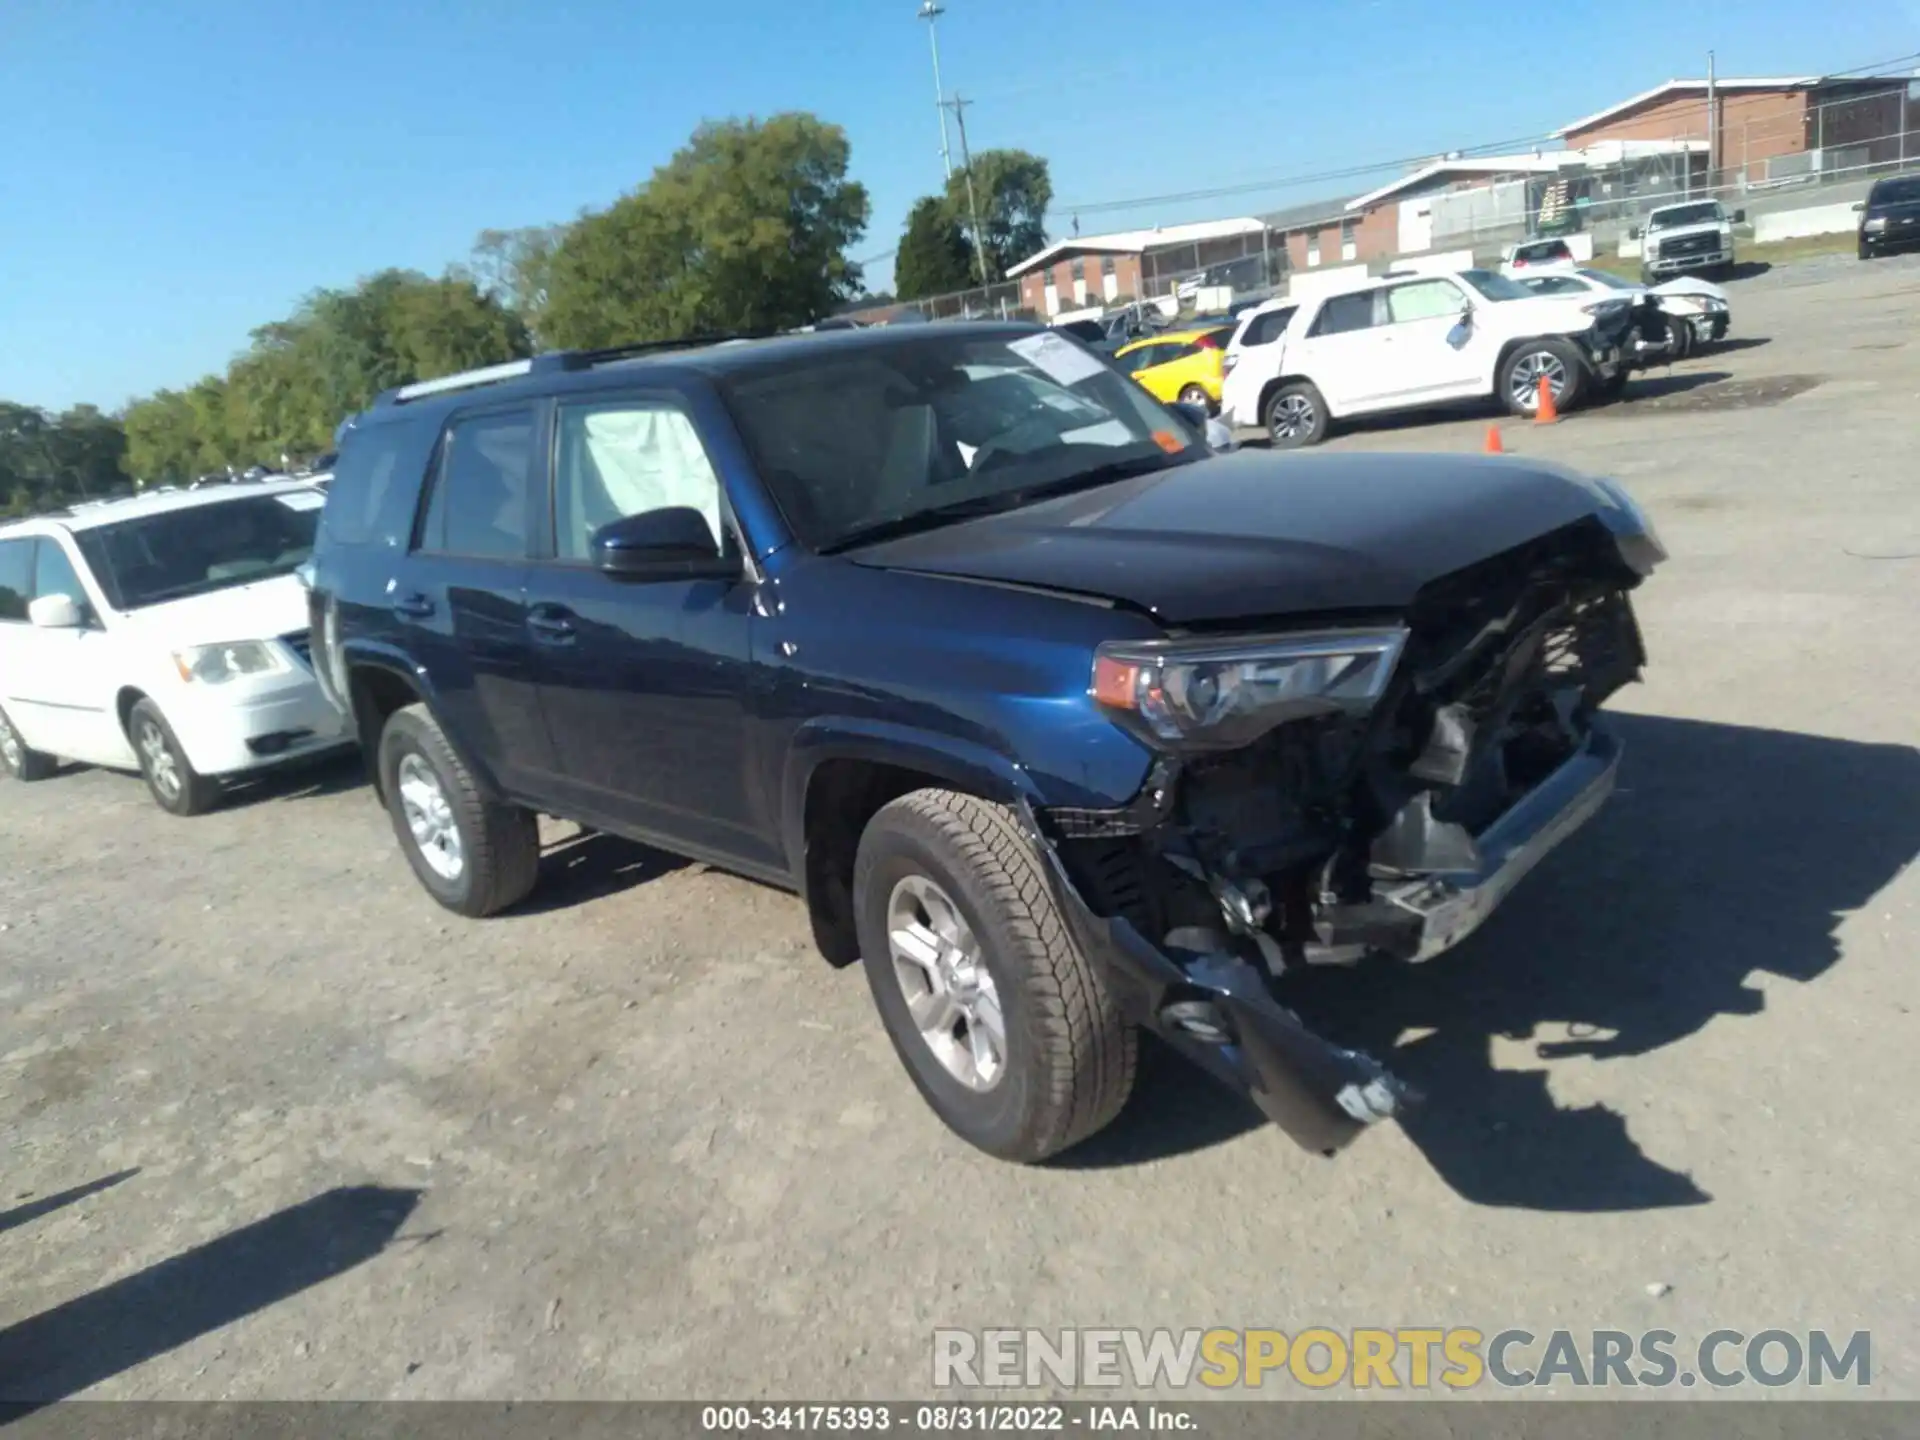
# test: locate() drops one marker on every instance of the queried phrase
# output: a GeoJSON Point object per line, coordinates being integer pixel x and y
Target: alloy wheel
{"type": "Point", "coordinates": [944, 979]}
{"type": "Point", "coordinates": [161, 767]}
{"type": "Point", "coordinates": [1527, 374]}
{"type": "Point", "coordinates": [423, 802]}
{"type": "Point", "coordinates": [1292, 417]}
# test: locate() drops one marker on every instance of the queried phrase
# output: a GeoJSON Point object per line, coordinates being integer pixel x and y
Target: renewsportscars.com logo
{"type": "Point", "coordinates": [1457, 1358]}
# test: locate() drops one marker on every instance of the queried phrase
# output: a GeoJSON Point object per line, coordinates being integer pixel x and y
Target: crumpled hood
{"type": "Point", "coordinates": [1690, 285]}
{"type": "Point", "coordinates": [260, 611]}
{"type": "Point", "coordinates": [1255, 534]}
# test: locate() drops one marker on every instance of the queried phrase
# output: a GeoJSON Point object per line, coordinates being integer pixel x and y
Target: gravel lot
{"type": "Point", "coordinates": [638, 1140]}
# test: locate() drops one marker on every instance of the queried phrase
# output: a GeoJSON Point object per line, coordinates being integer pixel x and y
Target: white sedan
{"type": "Point", "coordinates": [1697, 307]}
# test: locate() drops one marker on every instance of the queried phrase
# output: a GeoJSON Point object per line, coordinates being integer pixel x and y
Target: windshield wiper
{"type": "Point", "coordinates": [998, 502]}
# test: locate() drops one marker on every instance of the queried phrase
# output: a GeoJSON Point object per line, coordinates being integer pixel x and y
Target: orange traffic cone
{"type": "Point", "coordinates": [1494, 447]}
{"type": "Point", "coordinates": [1545, 412]}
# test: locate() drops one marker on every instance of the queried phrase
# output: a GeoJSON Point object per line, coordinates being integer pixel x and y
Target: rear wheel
{"type": "Point", "coordinates": [1195, 395]}
{"type": "Point", "coordinates": [17, 759]}
{"type": "Point", "coordinates": [1008, 1031]}
{"type": "Point", "coordinates": [1532, 361]}
{"type": "Point", "coordinates": [474, 855]}
{"type": "Point", "coordinates": [176, 786]}
{"type": "Point", "coordinates": [1295, 415]}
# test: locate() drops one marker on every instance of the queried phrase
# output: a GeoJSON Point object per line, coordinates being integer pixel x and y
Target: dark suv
{"type": "Point", "coordinates": [1890, 216]}
{"type": "Point", "coordinates": [1065, 725]}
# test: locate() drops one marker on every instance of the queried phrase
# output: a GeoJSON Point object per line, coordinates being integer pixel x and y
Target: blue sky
{"type": "Point", "coordinates": [180, 172]}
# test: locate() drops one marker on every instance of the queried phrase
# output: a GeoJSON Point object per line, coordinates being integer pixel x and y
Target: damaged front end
{"type": "Point", "coordinates": [1373, 789]}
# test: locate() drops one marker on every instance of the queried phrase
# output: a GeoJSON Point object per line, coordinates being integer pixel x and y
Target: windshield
{"type": "Point", "coordinates": [881, 439]}
{"type": "Point", "coordinates": [1896, 192]}
{"type": "Point", "coordinates": [1704, 213]}
{"type": "Point", "coordinates": [1612, 282]}
{"type": "Point", "coordinates": [1495, 286]}
{"type": "Point", "coordinates": [201, 548]}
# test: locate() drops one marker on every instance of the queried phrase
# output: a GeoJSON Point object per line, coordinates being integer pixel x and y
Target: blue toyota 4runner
{"type": "Point", "coordinates": [1062, 723]}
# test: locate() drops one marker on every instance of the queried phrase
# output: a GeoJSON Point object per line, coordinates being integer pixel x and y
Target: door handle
{"type": "Point", "coordinates": [413, 605]}
{"type": "Point", "coordinates": [551, 624]}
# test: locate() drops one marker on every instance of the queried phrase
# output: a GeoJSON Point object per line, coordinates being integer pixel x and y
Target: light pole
{"type": "Point", "coordinates": [931, 11]}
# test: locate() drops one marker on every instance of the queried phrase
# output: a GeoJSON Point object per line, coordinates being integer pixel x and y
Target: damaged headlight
{"type": "Point", "coordinates": [1223, 694]}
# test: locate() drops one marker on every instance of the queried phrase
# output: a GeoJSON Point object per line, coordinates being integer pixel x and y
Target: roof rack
{"type": "Point", "coordinates": [555, 361]}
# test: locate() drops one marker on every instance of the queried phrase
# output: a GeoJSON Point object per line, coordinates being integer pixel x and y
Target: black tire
{"type": "Point", "coordinates": [1196, 395]}
{"type": "Point", "coordinates": [175, 785]}
{"type": "Point", "coordinates": [1866, 250]}
{"type": "Point", "coordinates": [1648, 278]}
{"type": "Point", "coordinates": [20, 760]}
{"type": "Point", "coordinates": [1295, 416]}
{"type": "Point", "coordinates": [1683, 337]}
{"type": "Point", "coordinates": [1566, 393]}
{"type": "Point", "coordinates": [1070, 1058]}
{"type": "Point", "coordinates": [499, 844]}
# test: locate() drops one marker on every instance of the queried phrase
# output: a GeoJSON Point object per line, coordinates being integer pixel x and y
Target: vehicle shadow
{"type": "Point", "coordinates": [1728, 850]}
{"type": "Point", "coordinates": [1659, 384]}
{"type": "Point", "coordinates": [62, 1351]}
{"type": "Point", "coordinates": [590, 865]}
{"type": "Point", "coordinates": [47, 1204]}
{"type": "Point", "coordinates": [1747, 269]}
{"type": "Point", "coordinates": [1734, 343]}
{"type": "Point", "coordinates": [329, 774]}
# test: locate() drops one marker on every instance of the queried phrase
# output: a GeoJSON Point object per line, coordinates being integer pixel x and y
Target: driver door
{"type": "Point", "coordinates": [62, 682]}
{"type": "Point", "coordinates": [1430, 354]}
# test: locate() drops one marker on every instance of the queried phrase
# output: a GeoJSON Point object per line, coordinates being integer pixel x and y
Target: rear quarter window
{"type": "Point", "coordinates": [375, 481]}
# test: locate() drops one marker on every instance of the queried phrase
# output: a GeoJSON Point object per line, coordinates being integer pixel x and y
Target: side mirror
{"type": "Point", "coordinates": [1633, 232]}
{"type": "Point", "coordinates": [674, 543]}
{"type": "Point", "coordinates": [1859, 206]}
{"type": "Point", "coordinates": [56, 612]}
{"type": "Point", "coordinates": [1739, 217]}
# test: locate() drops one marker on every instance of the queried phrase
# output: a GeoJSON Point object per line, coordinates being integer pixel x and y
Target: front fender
{"type": "Point", "coordinates": [964, 764]}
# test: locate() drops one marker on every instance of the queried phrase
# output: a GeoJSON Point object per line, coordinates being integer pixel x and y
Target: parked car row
{"type": "Point", "coordinates": [1061, 724]}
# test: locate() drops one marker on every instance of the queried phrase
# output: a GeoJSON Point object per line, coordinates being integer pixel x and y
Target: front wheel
{"type": "Point", "coordinates": [1683, 337]}
{"type": "Point", "coordinates": [1296, 415]}
{"type": "Point", "coordinates": [1866, 251]}
{"type": "Point", "coordinates": [1532, 361]}
{"type": "Point", "coordinates": [1008, 1031]}
{"type": "Point", "coordinates": [474, 855]}
{"type": "Point", "coordinates": [176, 786]}
{"type": "Point", "coordinates": [20, 760]}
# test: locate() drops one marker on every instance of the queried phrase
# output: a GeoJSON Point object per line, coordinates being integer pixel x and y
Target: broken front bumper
{"type": "Point", "coordinates": [1217, 1010]}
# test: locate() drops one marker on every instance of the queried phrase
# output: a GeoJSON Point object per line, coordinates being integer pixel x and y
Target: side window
{"type": "Point", "coordinates": [1555, 285]}
{"type": "Point", "coordinates": [1145, 358]}
{"type": "Point", "coordinates": [370, 462]}
{"type": "Point", "coordinates": [622, 458]}
{"type": "Point", "coordinates": [1267, 328]}
{"type": "Point", "coordinates": [53, 574]}
{"type": "Point", "coordinates": [478, 506]}
{"type": "Point", "coordinates": [1423, 300]}
{"type": "Point", "coordinates": [1344, 313]}
{"type": "Point", "coordinates": [16, 577]}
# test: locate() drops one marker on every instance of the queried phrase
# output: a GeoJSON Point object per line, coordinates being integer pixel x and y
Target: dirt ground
{"type": "Point", "coordinates": [638, 1140]}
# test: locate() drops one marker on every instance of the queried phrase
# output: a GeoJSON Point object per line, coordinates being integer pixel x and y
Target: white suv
{"type": "Point", "coordinates": [165, 634]}
{"type": "Point", "coordinates": [1403, 342]}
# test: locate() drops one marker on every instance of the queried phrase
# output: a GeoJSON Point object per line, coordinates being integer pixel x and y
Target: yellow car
{"type": "Point", "coordinates": [1187, 365]}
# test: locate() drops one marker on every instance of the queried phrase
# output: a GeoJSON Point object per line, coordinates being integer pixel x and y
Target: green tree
{"type": "Point", "coordinates": [50, 460]}
{"type": "Point", "coordinates": [746, 228]}
{"type": "Point", "coordinates": [511, 267]}
{"type": "Point", "coordinates": [1011, 192]}
{"type": "Point", "coordinates": [934, 256]}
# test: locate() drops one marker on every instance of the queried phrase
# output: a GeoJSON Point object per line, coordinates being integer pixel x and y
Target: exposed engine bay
{"type": "Point", "coordinates": [1333, 837]}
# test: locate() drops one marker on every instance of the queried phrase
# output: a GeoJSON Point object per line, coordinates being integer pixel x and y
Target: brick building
{"type": "Point", "coordinates": [1086, 270]}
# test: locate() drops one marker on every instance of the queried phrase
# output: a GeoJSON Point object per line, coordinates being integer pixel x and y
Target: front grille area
{"type": "Point", "coordinates": [301, 643]}
{"type": "Point", "coordinates": [1689, 245]}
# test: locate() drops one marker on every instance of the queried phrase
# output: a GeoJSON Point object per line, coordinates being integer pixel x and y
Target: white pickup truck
{"type": "Point", "coordinates": [1694, 235]}
{"type": "Point", "coordinates": [1400, 342]}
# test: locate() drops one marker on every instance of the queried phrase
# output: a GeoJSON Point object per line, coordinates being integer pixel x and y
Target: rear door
{"type": "Point", "coordinates": [1253, 358]}
{"type": "Point", "coordinates": [1341, 353]}
{"type": "Point", "coordinates": [645, 685]}
{"type": "Point", "coordinates": [461, 598]}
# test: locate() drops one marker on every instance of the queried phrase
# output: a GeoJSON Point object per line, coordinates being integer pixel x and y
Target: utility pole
{"type": "Point", "coordinates": [931, 11]}
{"type": "Point", "coordinates": [966, 167]}
{"type": "Point", "coordinates": [1713, 129]}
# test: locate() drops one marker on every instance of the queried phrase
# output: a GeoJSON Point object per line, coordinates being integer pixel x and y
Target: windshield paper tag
{"type": "Point", "coordinates": [302, 499]}
{"type": "Point", "coordinates": [1056, 358]}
